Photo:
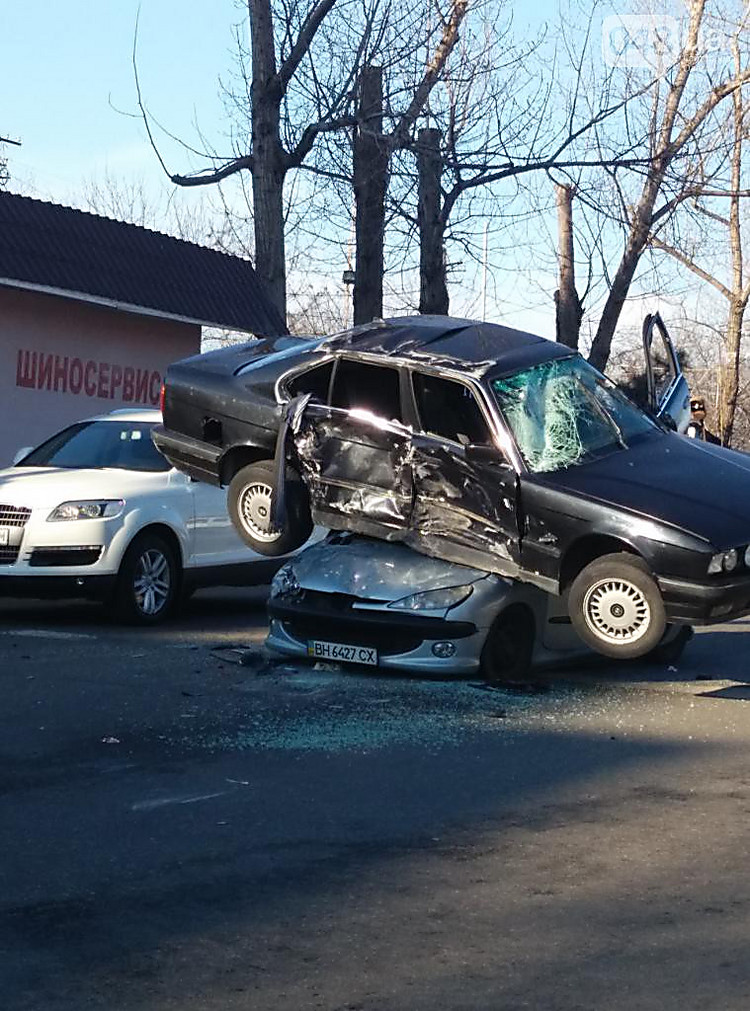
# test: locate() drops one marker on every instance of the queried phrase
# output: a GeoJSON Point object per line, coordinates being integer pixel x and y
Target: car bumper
{"type": "Point", "coordinates": [403, 642]}
{"type": "Point", "coordinates": [705, 603]}
{"type": "Point", "coordinates": [194, 458]}
{"type": "Point", "coordinates": [85, 587]}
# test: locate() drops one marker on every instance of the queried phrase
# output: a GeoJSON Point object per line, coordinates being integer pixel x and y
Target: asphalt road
{"type": "Point", "coordinates": [178, 831]}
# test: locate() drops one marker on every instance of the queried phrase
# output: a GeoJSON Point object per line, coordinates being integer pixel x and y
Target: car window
{"type": "Point", "coordinates": [95, 444]}
{"type": "Point", "coordinates": [449, 409]}
{"type": "Point", "coordinates": [367, 387]}
{"type": "Point", "coordinates": [314, 381]}
{"type": "Point", "coordinates": [662, 365]}
{"type": "Point", "coordinates": [564, 412]}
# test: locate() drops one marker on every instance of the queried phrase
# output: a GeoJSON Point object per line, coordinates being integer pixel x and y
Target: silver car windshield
{"type": "Point", "coordinates": [125, 445]}
{"type": "Point", "coordinates": [563, 412]}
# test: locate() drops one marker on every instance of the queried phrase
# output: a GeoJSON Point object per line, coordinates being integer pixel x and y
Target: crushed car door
{"type": "Point", "coordinates": [668, 393]}
{"type": "Point", "coordinates": [353, 453]}
{"type": "Point", "coordinates": [464, 489]}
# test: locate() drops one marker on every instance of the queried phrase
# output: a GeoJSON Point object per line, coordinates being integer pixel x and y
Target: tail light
{"type": "Point", "coordinates": [162, 397]}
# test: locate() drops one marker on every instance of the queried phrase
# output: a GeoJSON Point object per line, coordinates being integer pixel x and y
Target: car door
{"type": "Point", "coordinates": [354, 452]}
{"type": "Point", "coordinates": [668, 393]}
{"type": "Point", "coordinates": [214, 541]}
{"type": "Point", "coordinates": [465, 491]}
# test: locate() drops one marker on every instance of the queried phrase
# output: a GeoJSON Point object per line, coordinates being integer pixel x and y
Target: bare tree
{"type": "Point", "coordinates": [305, 59]}
{"type": "Point", "coordinates": [736, 289]}
{"type": "Point", "coordinates": [680, 131]}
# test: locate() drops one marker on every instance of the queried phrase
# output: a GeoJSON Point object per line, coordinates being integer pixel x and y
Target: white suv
{"type": "Point", "coordinates": [96, 511]}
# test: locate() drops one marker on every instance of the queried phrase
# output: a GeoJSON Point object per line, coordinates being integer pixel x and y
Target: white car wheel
{"type": "Point", "coordinates": [148, 581]}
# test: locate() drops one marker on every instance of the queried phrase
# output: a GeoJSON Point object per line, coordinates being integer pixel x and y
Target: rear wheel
{"type": "Point", "coordinates": [249, 501]}
{"type": "Point", "coordinates": [506, 654]}
{"type": "Point", "coordinates": [616, 607]}
{"type": "Point", "coordinates": [147, 584]}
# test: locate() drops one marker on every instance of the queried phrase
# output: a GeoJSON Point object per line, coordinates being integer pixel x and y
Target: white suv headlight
{"type": "Point", "coordinates": [88, 510]}
{"type": "Point", "coordinates": [434, 600]}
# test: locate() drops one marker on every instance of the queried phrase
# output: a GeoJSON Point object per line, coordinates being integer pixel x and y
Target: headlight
{"type": "Point", "coordinates": [434, 600]}
{"type": "Point", "coordinates": [285, 583]}
{"type": "Point", "coordinates": [89, 510]}
{"type": "Point", "coordinates": [726, 561]}
{"type": "Point", "coordinates": [747, 556]}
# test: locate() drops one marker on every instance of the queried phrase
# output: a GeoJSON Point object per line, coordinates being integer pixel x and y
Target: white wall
{"type": "Point", "coordinates": [62, 360]}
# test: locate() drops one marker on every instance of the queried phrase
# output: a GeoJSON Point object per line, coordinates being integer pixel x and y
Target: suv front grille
{"type": "Point", "coordinates": [8, 556]}
{"type": "Point", "coordinates": [14, 516]}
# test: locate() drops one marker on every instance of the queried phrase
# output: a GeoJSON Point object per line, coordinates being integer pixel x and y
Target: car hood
{"type": "Point", "coordinates": [375, 570]}
{"type": "Point", "coordinates": [37, 487]}
{"type": "Point", "coordinates": [690, 484]}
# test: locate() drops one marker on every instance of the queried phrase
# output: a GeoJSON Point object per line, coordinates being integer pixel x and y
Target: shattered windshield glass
{"type": "Point", "coordinates": [563, 412]}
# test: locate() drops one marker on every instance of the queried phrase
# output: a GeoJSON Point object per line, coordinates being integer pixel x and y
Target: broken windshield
{"type": "Point", "coordinates": [563, 412]}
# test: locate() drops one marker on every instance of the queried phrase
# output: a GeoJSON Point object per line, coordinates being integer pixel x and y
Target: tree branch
{"type": "Point", "coordinates": [691, 265]}
{"type": "Point", "coordinates": [310, 26]}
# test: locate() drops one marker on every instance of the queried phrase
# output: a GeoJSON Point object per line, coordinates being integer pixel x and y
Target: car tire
{"type": "Point", "coordinates": [249, 504]}
{"type": "Point", "coordinates": [616, 607]}
{"type": "Point", "coordinates": [670, 652]}
{"type": "Point", "coordinates": [147, 588]}
{"type": "Point", "coordinates": [508, 648]}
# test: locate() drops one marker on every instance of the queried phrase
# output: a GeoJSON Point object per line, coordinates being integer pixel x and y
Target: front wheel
{"type": "Point", "coordinates": [616, 607]}
{"type": "Point", "coordinates": [147, 583]}
{"type": "Point", "coordinates": [508, 648]}
{"type": "Point", "coordinates": [249, 501]}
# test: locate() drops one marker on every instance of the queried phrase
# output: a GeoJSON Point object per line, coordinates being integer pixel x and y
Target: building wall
{"type": "Point", "coordinates": [62, 360]}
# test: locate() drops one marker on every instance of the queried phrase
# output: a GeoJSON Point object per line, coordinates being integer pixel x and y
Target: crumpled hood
{"type": "Point", "coordinates": [364, 567]}
{"type": "Point", "coordinates": [693, 485]}
{"type": "Point", "coordinates": [37, 487]}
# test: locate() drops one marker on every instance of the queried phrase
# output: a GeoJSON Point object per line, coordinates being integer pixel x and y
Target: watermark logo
{"type": "Point", "coordinates": [640, 41]}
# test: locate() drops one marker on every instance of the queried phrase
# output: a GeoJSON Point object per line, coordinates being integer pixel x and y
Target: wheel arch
{"type": "Point", "coordinates": [578, 555]}
{"type": "Point", "coordinates": [238, 457]}
{"type": "Point", "coordinates": [522, 610]}
{"type": "Point", "coordinates": [166, 532]}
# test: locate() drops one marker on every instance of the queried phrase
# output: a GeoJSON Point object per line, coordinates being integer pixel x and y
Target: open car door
{"type": "Point", "coordinates": [668, 393]}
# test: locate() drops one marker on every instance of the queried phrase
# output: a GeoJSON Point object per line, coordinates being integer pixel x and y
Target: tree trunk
{"type": "Point", "coordinates": [268, 169]}
{"type": "Point", "coordinates": [602, 343]}
{"type": "Point", "coordinates": [568, 308]}
{"type": "Point", "coordinates": [730, 371]}
{"type": "Point", "coordinates": [370, 176]}
{"type": "Point", "coordinates": [433, 290]}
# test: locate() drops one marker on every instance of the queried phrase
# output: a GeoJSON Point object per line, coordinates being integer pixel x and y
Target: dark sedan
{"type": "Point", "coordinates": [485, 446]}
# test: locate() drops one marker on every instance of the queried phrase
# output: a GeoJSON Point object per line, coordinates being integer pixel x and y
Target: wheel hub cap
{"type": "Point", "coordinates": [152, 582]}
{"type": "Point", "coordinates": [616, 610]}
{"type": "Point", "coordinates": [255, 512]}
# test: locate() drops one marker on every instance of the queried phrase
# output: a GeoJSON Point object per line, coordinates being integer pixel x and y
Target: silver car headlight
{"type": "Point", "coordinates": [434, 600]}
{"type": "Point", "coordinates": [88, 510]}
{"type": "Point", "coordinates": [285, 583]}
{"type": "Point", "coordinates": [726, 561]}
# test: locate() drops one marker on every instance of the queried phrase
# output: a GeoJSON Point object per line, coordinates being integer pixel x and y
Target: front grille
{"type": "Point", "coordinates": [8, 556]}
{"type": "Point", "coordinates": [387, 641]}
{"type": "Point", "coordinates": [14, 516]}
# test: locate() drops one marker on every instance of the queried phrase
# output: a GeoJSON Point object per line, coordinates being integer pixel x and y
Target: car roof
{"type": "Point", "coordinates": [129, 414]}
{"type": "Point", "coordinates": [448, 342]}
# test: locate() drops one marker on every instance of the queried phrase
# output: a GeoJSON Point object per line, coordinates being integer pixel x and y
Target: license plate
{"type": "Point", "coordinates": [4, 537]}
{"type": "Point", "coordinates": [339, 651]}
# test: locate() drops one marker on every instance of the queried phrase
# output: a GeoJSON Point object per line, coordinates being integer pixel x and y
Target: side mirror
{"type": "Point", "coordinates": [21, 454]}
{"type": "Point", "coordinates": [485, 453]}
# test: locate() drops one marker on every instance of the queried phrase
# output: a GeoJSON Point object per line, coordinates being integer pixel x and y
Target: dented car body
{"type": "Point", "coordinates": [481, 445]}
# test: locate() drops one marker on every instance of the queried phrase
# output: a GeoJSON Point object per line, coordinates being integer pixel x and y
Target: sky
{"type": "Point", "coordinates": [68, 86]}
{"type": "Point", "coordinates": [69, 96]}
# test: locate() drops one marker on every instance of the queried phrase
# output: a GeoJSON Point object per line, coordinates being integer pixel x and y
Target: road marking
{"type": "Point", "coordinates": [149, 805]}
{"type": "Point", "coordinates": [42, 633]}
